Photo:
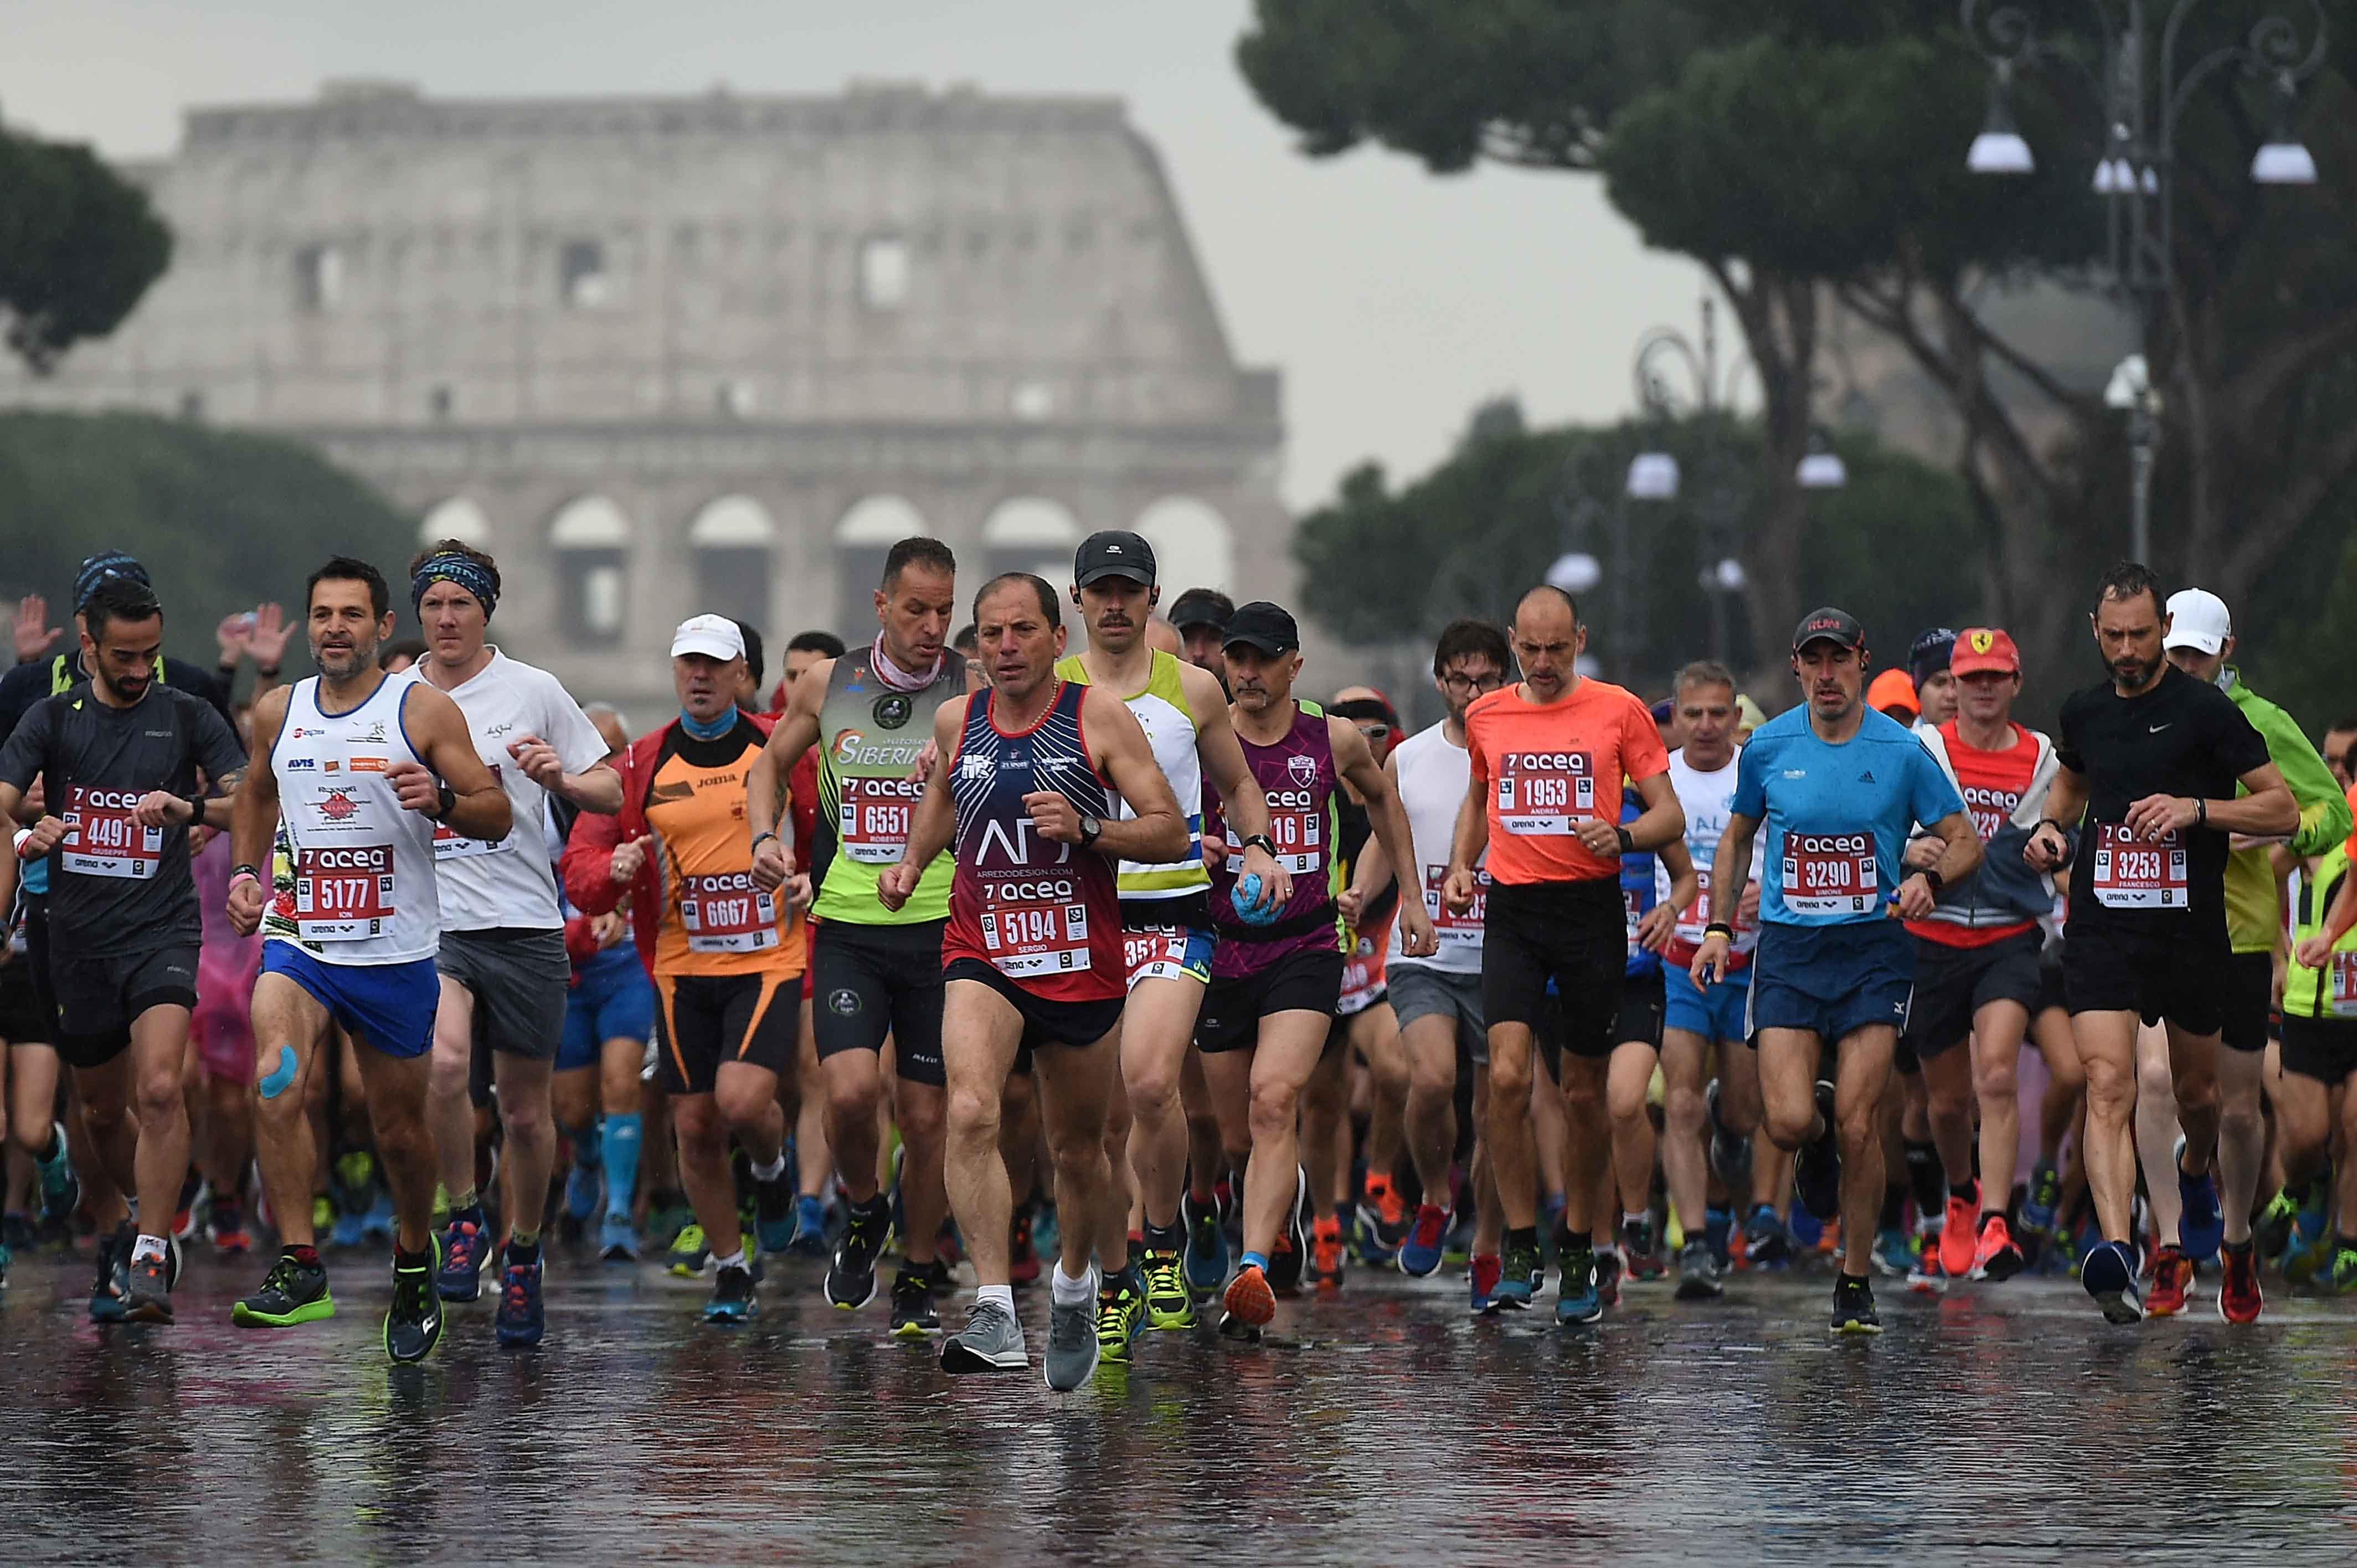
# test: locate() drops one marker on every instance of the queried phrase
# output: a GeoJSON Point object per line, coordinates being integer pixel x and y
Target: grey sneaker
{"type": "Point", "coordinates": [1699, 1276]}
{"type": "Point", "coordinates": [991, 1341]}
{"type": "Point", "coordinates": [1073, 1342]}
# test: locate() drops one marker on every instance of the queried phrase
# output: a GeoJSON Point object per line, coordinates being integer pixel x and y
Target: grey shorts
{"type": "Point", "coordinates": [1419, 991]}
{"type": "Point", "coordinates": [519, 979]}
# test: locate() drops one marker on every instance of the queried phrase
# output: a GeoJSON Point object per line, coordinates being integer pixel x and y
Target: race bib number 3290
{"type": "Point", "coordinates": [1830, 874]}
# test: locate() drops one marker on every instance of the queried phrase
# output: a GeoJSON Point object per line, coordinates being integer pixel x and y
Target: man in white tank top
{"type": "Point", "coordinates": [362, 766]}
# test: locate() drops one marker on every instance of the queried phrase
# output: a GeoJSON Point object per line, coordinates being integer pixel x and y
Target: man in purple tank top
{"type": "Point", "coordinates": [1276, 974]}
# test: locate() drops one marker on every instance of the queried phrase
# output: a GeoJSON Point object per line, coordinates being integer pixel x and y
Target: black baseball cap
{"type": "Point", "coordinates": [1930, 653]}
{"type": "Point", "coordinates": [1266, 626]}
{"type": "Point", "coordinates": [103, 567]}
{"type": "Point", "coordinates": [1202, 606]}
{"type": "Point", "coordinates": [1829, 625]}
{"type": "Point", "coordinates": [1113, 553]}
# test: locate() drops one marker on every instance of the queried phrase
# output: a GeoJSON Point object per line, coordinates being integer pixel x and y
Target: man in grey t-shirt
{"type": "Point", "coordinates": [127, 765]}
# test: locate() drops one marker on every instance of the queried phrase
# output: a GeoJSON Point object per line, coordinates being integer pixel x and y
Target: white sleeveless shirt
{"type": "Point", "coordinates": [1433, 774]}
{"type": "Point", "coordinates": [353, 882]}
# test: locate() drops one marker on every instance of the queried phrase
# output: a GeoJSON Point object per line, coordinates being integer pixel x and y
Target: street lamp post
{"type": "Point", "coordinates": [2137, 175]}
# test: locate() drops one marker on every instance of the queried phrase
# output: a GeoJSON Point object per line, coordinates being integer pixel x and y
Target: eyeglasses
{"type": "Point", "coordinates": [1375, 734]}
{"type": "Point", "coordinates": [1456, 680]}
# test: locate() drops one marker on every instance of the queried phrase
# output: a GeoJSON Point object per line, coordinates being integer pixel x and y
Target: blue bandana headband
{"type": "Point", "coordinates": [471, 575]}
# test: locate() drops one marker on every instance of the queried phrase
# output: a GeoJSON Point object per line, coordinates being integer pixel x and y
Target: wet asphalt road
{"type": "Point", "coordinates": [1381, 1425]}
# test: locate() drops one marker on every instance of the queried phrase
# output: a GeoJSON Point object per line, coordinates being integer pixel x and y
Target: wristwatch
{"type": "Point", "coordinates": [1264, 843]}
{"type": "Point", "coordinates": [1091, 831]}
{"type": "Point", "coordinates": [446, 801]}
{"type": "Point", "coordinates": [1627, 840]}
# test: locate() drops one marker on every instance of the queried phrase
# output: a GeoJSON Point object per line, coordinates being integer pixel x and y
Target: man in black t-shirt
{"type": "Point", "coordinates": [2150, 760]}
{"type": "Point", "coordinates": [119, 756]}
{"type": "Point", "coordinates": [37, 675]}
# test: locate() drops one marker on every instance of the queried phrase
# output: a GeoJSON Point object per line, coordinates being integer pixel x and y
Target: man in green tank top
{"type": "Point", "coordinates": [1166, 923]}
{"type": "Point", "coordinates": [873, 970]}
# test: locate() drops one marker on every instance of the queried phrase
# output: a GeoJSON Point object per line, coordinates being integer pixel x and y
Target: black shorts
{"type": "Point", "coordinates": [1045, 1022]}
{"type": "Point", "coordinates": [2322, 1048]}
{"type": "Point", "coordinates": [1574, 933]}
{"type": "Point", "coordinates": [23, 1009]}
{"type": "Point", "coordinates": [36, 966]}
{"type": "Point", "coordinates": [1953, 983]}
{"type": "Point", "coordinates": [1306, 982]}
{"type": "Point", "coordinates": [702, 1020]}
{"type": "Point", "coordinates": [868, 981]}
{"type": "Point", "coordinates": [98, 997]}
{"type": "Point", "coordinates": [1643, 1003]}
{"type": "Point", "coordinates": [2171, 970]}
{"type": "Point", "coordinates": [2051, 998]}
{"type": "Point", "coordinates": [2248, 995]}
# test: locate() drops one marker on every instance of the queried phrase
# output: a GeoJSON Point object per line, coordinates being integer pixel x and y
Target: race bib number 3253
{"type": "Point", "coordinates": [2131, 872]}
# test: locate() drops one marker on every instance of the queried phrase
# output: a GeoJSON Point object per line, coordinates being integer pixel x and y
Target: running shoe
{"type": "Point", "coordinates": [618, 1239]}
{"type": "Point", "coordinates": [1519, 1277]}
{"type": "Point", "coordinates": [1487, 1271]}
{"type": "Point", "coordinates": [348, 1232]}
{"type": "Point", "coordinates": [810, 1227]}
{"type": "Point", "coordinates": [1207, 1246]}
{"type": "Point", "coordinates": [521, 1320]}
{"type": "Point", "coordinates": [734, 1299]}
{"type": "Point", "coordinates": [775, 1222]}
{"type": "Point", "coordinates": [1640, 1243]}
{"type": "Point", "coordinates": [291, 1293]}
{"type": "Point", "coordinates": [2172, 1283]}
{"type": "Point", "coordinates": [2310, 1248]}
{"type": "Point", "coordinates": [147, 1298]}
{"type": "Point", "coordinates": [1929, 1273]}
{"type": "Point", "coordinates": [1326, 1253]}
{"type": "Point", "coordinates": [585, 1188]}
{"type": "Point", "coordinates": [1608, 1272]}
{"type": "Point", "coordinates": [1960, 1235]}
{"type": "Point", "coordinates": [1894, 1253]}
{"type": "Point", "coordinates": [1022, 1252]}
{"type": "Point", "coordinates": [2238, 1296]}
{"type": "Point", "coordinates": [1853, 1306]}
{"type": "Point", "coordinates": [1457, 1242]}
{"type": "Point", "coordinates": [323, 1217]}
{"type": "Point", "coordinates": [2202, 1230]}
{"type": "Point", "coordinates": [184, 1216]}
{"type": "Point", "coordinates": [1818, 1171]}
{"type": "Point", "coordinates": [1169, 1306]}
{"type": "Point", "coordinates": [1578, 1296]}
{"type": "Point", "coordinates": [413, 1323]}
{"type": "Point", "coordinates": [991, 1341]}
{"type": "Point", "coordinates": [225, 1229]}
{"type": "Point", "coordinates": [1766, 1243]}
{"type": "Point", "coordinates": [1249, 1305]}
{"type": "Point", "coordinates": [1287, 1259]}
{"type": "Point", "coordinates": [381, 1221]}
{"type": "Point", "coordinates": [1382, 1222]}
{"type": "Point", "coordinates": [1121, 1309]}
{"type": "Point", "coordinates": [913, 1315]}
{"type": "Point", "coordinates": [1419, 1255]}
{"type": "Point", "coordinates": [109, 1291]}
{"type": "Point", "coordinates": [2037, 1209]}
{"type": "Point", "coordinates": [689, 1256]}
{"type": "Point", "coordinates": [851, 1278]}
{"type": "Point", "coordinates": [61, 1188]}
{"type": "Point", "coordinates": [1699, 1277]}
{"type": "Point", "coordinates": [16, 1230]}
{"type": "Point", "coordinates": [1718, 1231]}
{"type": "Point", "coordinates": [2272, 1229]}
{"type": "Point", "coordinates": [2343, 1276]}
{"type": "Point", "coordinates": [2108, 1271]}
{"type": "Point", "coordinates": [1998, 1257]}
{"type": "Point", "coordinates": [1730, 1154]}
{"type": "Point", "coordinates": [465, 1250]}
{"type": "Point", "coordinates": [1072, 1346]}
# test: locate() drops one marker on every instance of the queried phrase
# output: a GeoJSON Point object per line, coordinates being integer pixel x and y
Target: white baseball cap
{"type": "Point", "coordinates": [715, 637]}
{"type": "Point", "coordinates": [2198, 619]}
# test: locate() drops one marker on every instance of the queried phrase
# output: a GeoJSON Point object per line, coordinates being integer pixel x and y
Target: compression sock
{"type": "Point", "coordinates": [1926, 1181]}
{"type": "Point", "coordinates": [587, 1153]}
{"type": "Point", "coordinates": [620, 1137]}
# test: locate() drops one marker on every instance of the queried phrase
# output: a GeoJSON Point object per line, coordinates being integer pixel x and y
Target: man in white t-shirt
{"type": "Point", "coordinates": [504, 971]}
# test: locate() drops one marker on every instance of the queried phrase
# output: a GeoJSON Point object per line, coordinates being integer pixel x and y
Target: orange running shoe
{"type": "Point", "coordinates": [1326, 1253]}
{"type": "Point", "coordinates": [2172, 1283]}
{"type": "Point", "coordinates": [1249, 1302]}
{"type": "Point", "coordinates": [1998, 1257]}
{"type": "Point", "coordinates": [2239, 1298]}
{"type": "Point", "coordinates": [1957, 1236]}
{"type": "Point", "coordinates": [1389, 1205]}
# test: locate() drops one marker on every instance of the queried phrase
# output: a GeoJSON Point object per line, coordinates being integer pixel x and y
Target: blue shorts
{"type": "Point", "coordinates": [390, 1006]}
{"type": "Point", "coordinates": [613, 1000]}
{"type": "Point", "coordinates": [1832, 980]}
{"type": "Point", "coordinates": [1715, 1015]}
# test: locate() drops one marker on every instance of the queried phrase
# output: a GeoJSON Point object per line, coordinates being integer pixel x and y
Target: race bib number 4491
{"type": "Point", "coordinates": [1543, 793]}
{"type": "Point", "coordinates": [104, 838]}
{"type": "Point", "coordinates": [1830, 874]}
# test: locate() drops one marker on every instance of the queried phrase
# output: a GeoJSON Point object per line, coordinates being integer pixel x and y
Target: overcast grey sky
{"type": "Point", "coordinates": [1394, 301]}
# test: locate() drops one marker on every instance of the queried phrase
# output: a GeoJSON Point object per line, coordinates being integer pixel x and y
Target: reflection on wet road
{"type": "Point", "coordinates": [1381, 1425]}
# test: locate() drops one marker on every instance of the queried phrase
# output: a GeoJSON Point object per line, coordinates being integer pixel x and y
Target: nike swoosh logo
{"type": "Point", "coordinates": [2158, 728]}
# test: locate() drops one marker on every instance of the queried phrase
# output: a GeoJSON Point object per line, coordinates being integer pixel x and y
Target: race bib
{"type": "Point", "coordinates": [448, 846]}
{"type": "Point", "coordinates": [1300, 837]}
{"type": "Point", "coordinates": [1695, 917]}
{"type": "Point", "coordinates": [104, 838]}
{"type": "Point", "coordinates": [1158, 952]}
{"type": "Point", "coordinates": [1541, 794]}
{"type": "Point", "coordinates": [1631, 915]}
{"type": "Point", "coordinates": [726, 914]}
{"type": "Point", "coordinates": [871, 826]}
{"type": "Point", "coordinates": [343, 895]}
{"type": "Point", "coordinates": [1455, 930]}
{"type": "Point", "coordinates": [1830, 874]}
{"type": "Point", "coordinates": [1028, 932]}
{"type": "Point", "coordinates": [1362, 972]}
{"type": "Point", "coordinates": [2131, 872]}
{"type": "Point", "coordinates": [2344, 984]}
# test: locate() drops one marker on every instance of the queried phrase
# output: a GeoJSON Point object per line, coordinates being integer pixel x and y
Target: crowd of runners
{"type": "Point", "coordinates": [1103, 951]}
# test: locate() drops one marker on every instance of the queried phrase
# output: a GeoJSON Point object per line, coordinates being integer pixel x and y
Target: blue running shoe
{"type": "Point", "coordinates": [1206, 1262]}
{"type": "Point", "coordinates": [733, 1298]}
{"type": "Point", "coordinates": [618, 1240]}
{"type": "Point", "coordinates": [464, 1247]}
{"type": "Point", "coordinates": [810, 1228]}
{"type": "Point", "coordinates": [1419, 1255]}
{"type": "Point", "coordinates": [1893, 1256]}
{"type": "Point", "coordinates": [1767, 1244]}
{"type": "Point", "coordinates": [2038, 1214]}
{"type": "Point", "coordinates": [1519, 1278]}
{"type": "Point", "coordinates": [583, 1190]}
{"type": "Point", "coordinates": [109, 1291]}
{"type": "Point", "coordinates": [1577, 1298]}
{"type": "Point", "coordinates": [2203, 1229]}
{"type": "Point", "coordinates": [520, 1320]}
{"type": "Point", "coordinates": [1717, 1232]}
{"type": "Point", "coordinates": [378, 1224]}
{"type": "Point", "coordinates": [348, 1233]}
{"type": "Point", "coordinates": [2108, 1271]}
{"type": "Point", "coordinates": [777, 1217]}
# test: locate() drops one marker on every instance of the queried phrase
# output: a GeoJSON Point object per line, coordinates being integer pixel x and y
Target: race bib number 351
{"type": "Point", "coordinates": [1541, 794]}
{"type": "Point", "coordinates": [104, 838]}
{"type": "Point", "coordinates": [1830, 874]}
{"type": "Point", "coordinates": [2131, 872]}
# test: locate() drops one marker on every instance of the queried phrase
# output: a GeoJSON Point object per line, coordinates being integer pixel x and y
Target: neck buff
{"type": "Point", "coordinates": [471, 575]}
{"type": "Point", "coordinates": [895, 677]}
{"type": "Point", "coordinates": [702, 731]}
